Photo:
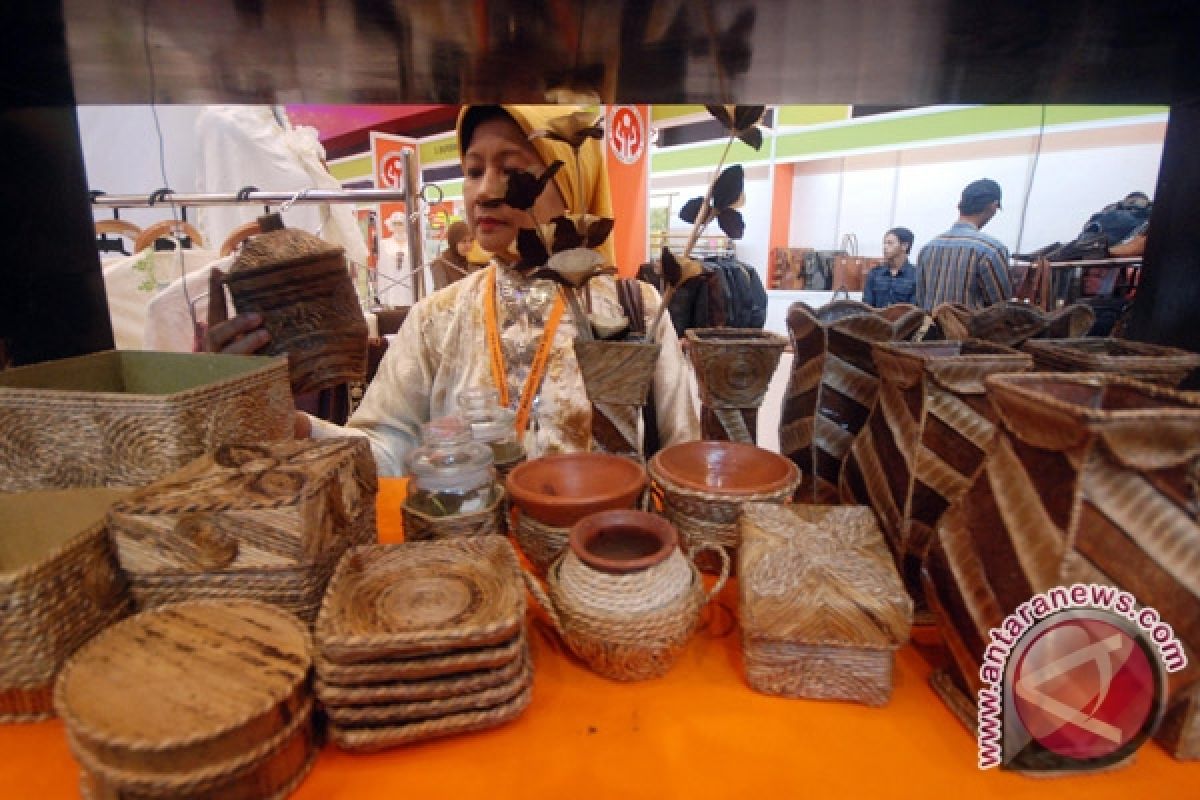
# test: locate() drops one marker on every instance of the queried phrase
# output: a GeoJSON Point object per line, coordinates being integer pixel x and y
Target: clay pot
{"type": "Point", "coordinates": [560, 490]}
{"type": "Point", "coordinates": [623, 541]}
{"type": "Point", "coordinates": [730, 468]}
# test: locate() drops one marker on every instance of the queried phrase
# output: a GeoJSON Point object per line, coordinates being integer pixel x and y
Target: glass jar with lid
{"type": "Point", "coordinates": [493, 425]}
{"type": "Point", "coordinates": [450, 473]}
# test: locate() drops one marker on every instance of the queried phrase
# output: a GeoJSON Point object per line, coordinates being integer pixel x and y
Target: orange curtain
{"type": "Point", "coordinates": [627, 135]}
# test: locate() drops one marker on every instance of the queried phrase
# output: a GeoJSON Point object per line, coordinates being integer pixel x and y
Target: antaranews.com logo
{"type": "Point", "coordinates": [1074, 679]}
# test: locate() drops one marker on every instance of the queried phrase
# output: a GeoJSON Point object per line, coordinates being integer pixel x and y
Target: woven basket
{"type": "Point", "coordinates": [711, 517]}
{"type": "Point", "coordinates": [821, 605]}
{"type": "Point", "coordinates": [421, 598]}
{"type": "Point", "coordinates": [1012, 324]}
{"type": "Point", "coordinates": [422, 527]}
{"type": "Point", "coordinates": [59, 585]}
{"type": "Point", "coordinates": [240, 726]}
{"type": "Point", "coordinates": [833, 385]}
{"type": "Point", "coordinates": [617, 377]}
{"type": "Point", "coordinates": [126, 418]}
{"type": "Point", "coordinates": [733, 368]}
{"type": "Point", "coordinates": [301, 286]}
{"type": "Point", "coordinates": [627, 627]}
{"type": "Point", "coordinates": [1091, 478]}
{"type": "Point", "coordinates": [925, 440]}
{"type": "Point", "coordinates": [541, 544]}
{"type": "Point", "coordinates": [1153, 363]}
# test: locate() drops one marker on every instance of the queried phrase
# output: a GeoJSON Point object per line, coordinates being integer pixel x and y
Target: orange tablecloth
{"type": "Point", "coordinates": [699, 732]}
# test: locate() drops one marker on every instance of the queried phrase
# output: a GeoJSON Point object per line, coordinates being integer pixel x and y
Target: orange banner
{"type": "Point", "coordinates": [627, 134]}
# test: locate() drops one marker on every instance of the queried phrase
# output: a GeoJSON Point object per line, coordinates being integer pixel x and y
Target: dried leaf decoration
{"type": "Point", "coordinates": [741, 121]}
{"type": "Point", "coordinates": [573, 268]}
{"type": "Point", "coordinates": [524, 187]}
{"type": "Point", "coordinates": [678, 270]}
{"type": "Point", "coordinates": [531, 249]}
{"type": "Point", "coordinates": [573, 129]}
{"type": "Point", "coordinates": [727, 195]}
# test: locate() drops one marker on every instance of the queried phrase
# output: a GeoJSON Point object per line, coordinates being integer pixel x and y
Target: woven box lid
{"type": "Point", "coordinates": [819, 575]}
{"type": "Point", "coordinates": [251, 507]}
{"type": "Point", "coordinates": [59, 585]}
{"type": "Point", "coordinates": [125, 418]}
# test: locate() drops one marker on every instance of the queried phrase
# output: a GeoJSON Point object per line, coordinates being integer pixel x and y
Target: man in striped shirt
{"type": "Point", "coordinates": [965, 265]}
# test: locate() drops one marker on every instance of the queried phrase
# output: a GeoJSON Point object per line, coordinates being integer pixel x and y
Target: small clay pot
{"type": "Point", "coordinates": [623, 541]}
{"type": "Point", "coordinates": [729, 468]}
{"type": "Point", "coordinates": [560, 490]}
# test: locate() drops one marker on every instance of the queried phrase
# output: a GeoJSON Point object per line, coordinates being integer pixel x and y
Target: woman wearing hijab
{"type": "Point", "coordinates": [452, 264]}
{"type": "Point", "coordinates": [488, 329]}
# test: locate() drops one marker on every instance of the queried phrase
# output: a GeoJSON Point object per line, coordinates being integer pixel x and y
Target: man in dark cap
{"type": "Point", "coordinates": [965, 265]}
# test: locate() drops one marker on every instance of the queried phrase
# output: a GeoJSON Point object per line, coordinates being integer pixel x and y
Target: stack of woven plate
{"type": "Point", "coordinates": [197, 700]}
{"type": "Point", "coordinates": [421, 640]}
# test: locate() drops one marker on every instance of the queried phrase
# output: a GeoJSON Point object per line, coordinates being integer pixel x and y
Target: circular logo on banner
{"type": "Point", "coordinates": [626, 134]}
{"type": "Point", "coordinates": [1085, 689]}
{"type": "Point", "coordinates": [391, 170]}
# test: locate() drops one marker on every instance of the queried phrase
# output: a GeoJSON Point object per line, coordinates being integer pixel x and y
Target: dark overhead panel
{"type": "Point", "coordinates": [865, 52]}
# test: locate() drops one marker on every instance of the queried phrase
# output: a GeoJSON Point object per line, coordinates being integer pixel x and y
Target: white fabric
{"type": "Point", "coordinates": [244, 146]}
{"type": "Point", "coordinates": [168, 323]}
{"type": "Point", "coordinates": [131, 282]}
{"type": "Point", "coordinates": [441, 351]}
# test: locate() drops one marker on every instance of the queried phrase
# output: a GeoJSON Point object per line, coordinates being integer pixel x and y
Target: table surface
{"type": "Point", "coordinates": [698, 732]}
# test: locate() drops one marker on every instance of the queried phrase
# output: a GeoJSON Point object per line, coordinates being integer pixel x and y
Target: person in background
{"type": "Point", "coordinates": [895, 280]}
{"type": "Point", "coordinates": [452, 264]}
{"type": "Point", "coordinates": [965, 265]}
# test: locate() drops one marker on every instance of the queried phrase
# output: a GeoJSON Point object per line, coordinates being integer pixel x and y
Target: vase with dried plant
{"type": "Point", "coordinates": [733, 365]}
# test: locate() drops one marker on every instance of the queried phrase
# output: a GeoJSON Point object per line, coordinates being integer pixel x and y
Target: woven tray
{"type": "Point", "coordinates": [422, 527]}
{"type": "Point", "coordinates": [372, 739]}
{"type": "Point", "coordinates": [421, 598]}
{"type": "Point", "coordinates": [1153, 363]}
{"type": "Point", "coordinates": [821, 605]}
{"type": "Point", "coordinates": [211, 681]}
{"type": "Point", "coordinates": [421, 668]}
{"type": "Point", "coordinates": [433, 688]}
{"type": "Point", "coordinates": [250, 507]}
{"type": "Point", "coordinates": [59, 585]}
{"type": "Point", "coordinates": [126, 418]}
{"type": "Point", "coordinates": [428, 710]}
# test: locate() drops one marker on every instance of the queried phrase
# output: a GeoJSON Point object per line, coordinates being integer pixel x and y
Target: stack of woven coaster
{"type": "Point", "coordinates": [421, 640]}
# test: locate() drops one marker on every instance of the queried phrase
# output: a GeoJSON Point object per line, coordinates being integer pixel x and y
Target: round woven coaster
{"type": "Point", "coordinates": [421, 598]}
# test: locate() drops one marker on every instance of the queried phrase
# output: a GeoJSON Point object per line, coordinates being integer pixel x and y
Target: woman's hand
{"type": "Point", "coordinates": [241, 335]}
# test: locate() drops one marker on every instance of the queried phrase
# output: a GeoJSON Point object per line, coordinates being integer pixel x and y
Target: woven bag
{"type": "Point", "coordinates": [833, 385]}
{"type": "Point", "coordinates": [733, 368]}
{"type": "Point", "coordinates": [617, 377]}
{"type": "Point", "coordinates": [1092, 478]}
{"type": "Point", "coordinates": [1012, 324]}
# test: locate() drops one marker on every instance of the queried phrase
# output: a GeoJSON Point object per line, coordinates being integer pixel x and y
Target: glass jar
{"type": "Point", "coordinates": [449, 473]}
{"type": "Point", "coordinates": [493, 425]}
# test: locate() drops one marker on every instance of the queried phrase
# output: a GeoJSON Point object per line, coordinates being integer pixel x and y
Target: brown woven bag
{"type": "Point", "coordinates": [733, 368]}
{"type": "Point", "coordinates": [833, 385]}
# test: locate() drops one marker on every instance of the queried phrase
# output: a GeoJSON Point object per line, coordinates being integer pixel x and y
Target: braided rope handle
{"type": "Point", "coordinates": [539, 594]}
{"type": "Point", "coordinates": [723, 555]}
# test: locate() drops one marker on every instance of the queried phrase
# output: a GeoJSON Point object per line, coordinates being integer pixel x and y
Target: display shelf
{"type": "Point", "coordinates": [699, 732]}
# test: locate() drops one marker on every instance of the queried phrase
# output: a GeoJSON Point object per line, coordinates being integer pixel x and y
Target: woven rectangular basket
{"type": "Point", "coordinates": [821, 604]}
{"type": "Point", "coordinates": [59, 585]}
{"type": "Point", "coordinates": [126, 418]}
{"type": "Point", "coordinates": [1153, 363]}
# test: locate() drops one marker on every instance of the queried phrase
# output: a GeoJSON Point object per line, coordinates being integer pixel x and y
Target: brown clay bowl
{"type": "Point", "coordinates": [730, 468]}
{"type": "Point", "coordinates": [561, 490]}
{"type": "Point", "coordinates": [622, 541]}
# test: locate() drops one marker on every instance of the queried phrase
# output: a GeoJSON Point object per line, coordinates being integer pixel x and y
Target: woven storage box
{"type": "Point", "coordinates": [59, 586]}
{"type": "Point", "coordinates": [126, 418]}
{"type": "Point", "coordinates": [925, 440]}
{"type": "Point", "coordinates": [833, 385]}
{"type": "Point", "coordinates": [1091, 478]}
{"type": "Point", "coordinates": [821, 605]}
{"type": "Point", "coordinates": [265, 522]}
{"type": "Point", "coordinates": [199, 700]}
{"type": "Point", "coordinates": [1153, 363]}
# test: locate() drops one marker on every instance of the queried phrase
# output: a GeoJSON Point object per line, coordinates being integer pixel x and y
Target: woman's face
{"type": "Point", "coordinates": [496, 147]}
{"type": "Point", "coordinates": [464, 246]}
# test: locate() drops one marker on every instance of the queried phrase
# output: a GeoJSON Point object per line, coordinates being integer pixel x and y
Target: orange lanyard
{"type": "Point", "coordinates": [500, 370]}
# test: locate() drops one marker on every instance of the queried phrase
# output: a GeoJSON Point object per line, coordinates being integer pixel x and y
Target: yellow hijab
{"type": "Point", "coordinates": [593, 169]}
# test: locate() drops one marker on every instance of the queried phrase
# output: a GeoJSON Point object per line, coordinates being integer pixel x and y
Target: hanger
{"type": "Point", "coordinates": [115, 227]}
{"type": "Point", "coordinates": [170, 228]}
{"type": "Point", "coordinates": [238, 235]}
